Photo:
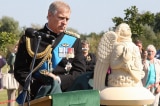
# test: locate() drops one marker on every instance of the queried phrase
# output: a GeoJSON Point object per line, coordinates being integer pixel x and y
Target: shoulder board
{"type": "Point", "coordinates": [72, 34]}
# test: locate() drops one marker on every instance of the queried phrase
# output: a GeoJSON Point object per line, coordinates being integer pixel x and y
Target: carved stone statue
{"type": "Point", "coordinates": [117, 52]}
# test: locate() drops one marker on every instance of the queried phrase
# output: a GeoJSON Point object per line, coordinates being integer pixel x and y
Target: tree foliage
{"type": "Point", "coordinates": [93, 39]}
{"type": "Point", "coordinates": [157, 23]}
{"type": "Point", "coordinates": [5, 40]}
{"type": "Point", "coordinates": [135, 20]}
{"type": "Point", "coordinates": [9, 33]}
{"type": "Point", "coordinates": [144, 26]}
{"type": "Point", "coordinates": [8, 24]}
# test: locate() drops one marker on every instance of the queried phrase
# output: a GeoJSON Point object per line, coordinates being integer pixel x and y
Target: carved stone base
{"type": "Point", "coordinates": [126, 96]}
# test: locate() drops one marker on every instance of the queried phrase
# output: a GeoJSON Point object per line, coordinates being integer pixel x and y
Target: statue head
{"type": "Point", "coordinates": [123, 31]}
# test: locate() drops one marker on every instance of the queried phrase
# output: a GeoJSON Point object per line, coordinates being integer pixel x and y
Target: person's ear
{"type": "Point", "coordinates": [49, 15]}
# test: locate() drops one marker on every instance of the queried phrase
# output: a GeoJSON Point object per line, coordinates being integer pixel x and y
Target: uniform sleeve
{"type": "Point", "coordinates": [22, 62]}
{"type": "Point", "coordinates": [78, 66]}
{"type": "Point", "coordinates": [11, 59]}
{"type": "Point", "coordinates": [91, 64]}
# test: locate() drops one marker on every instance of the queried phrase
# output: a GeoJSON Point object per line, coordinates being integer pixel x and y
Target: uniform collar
{"type": "Point", "coordinates": [49, 31]}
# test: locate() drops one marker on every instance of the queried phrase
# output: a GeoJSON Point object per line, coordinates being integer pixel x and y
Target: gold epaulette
{"type": "Point", "coordinates": [72, 34]}
{"type": "Point", "coordinates": [31, 53]}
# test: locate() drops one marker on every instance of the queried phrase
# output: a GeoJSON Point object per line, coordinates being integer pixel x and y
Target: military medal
{"type": "Point", "coordinates": [66, 52]}
{"type": "Point", "coordinates": [70, 53]}
{"type": "Point", "coordinates": [88, 58]}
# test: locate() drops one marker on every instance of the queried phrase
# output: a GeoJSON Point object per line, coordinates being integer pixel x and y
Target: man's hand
{"type": "Point", "coordinates": [157, 90]}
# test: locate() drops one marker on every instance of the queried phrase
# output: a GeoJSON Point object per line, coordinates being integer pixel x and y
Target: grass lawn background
{"type": "Point", "coordinates": [3, 93]}
{"type": "Point", "coordinates": [3, 98]}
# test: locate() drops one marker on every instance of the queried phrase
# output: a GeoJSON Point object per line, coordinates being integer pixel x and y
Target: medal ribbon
{"type": "Point", "coordinates": [69, 40]}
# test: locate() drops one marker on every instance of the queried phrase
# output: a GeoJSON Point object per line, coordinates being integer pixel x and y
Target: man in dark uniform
{"type": "Point", "coordinates": [85, 81]}
{"type": "Point", "coordinates": [60, 63]}
{"type": "Point", "coordinates": [90, 58]}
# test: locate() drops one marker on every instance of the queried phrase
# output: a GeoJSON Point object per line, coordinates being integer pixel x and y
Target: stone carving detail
{"type": "Point", "coordinates": [117, 52]}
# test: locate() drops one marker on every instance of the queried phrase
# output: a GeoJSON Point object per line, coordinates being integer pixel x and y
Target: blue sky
{"type": "Point", "coordinates": [87, 15]}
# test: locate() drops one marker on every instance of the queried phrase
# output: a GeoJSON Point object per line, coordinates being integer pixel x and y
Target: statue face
{"type": "Point", "coordinates": [126, 31]}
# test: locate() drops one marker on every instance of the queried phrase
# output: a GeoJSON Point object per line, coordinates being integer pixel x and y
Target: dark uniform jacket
{"type": "Point", "coordinates": [90, 62]}
{"type": "Point", "coordinates": [23, 61]}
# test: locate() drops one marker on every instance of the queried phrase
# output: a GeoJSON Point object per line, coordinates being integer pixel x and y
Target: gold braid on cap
{"type": "Point", "coordinates": [31, 53]}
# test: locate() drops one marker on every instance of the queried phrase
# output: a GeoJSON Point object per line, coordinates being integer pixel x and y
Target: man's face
{"type": "Point", "coordinates": [15, 49]}
{"type": "Point", "coordinates": [58, 22]}
{"type": "Point", "coordinates": [139, 45]}
{"type": "Point", "coordinates": [85, 48]}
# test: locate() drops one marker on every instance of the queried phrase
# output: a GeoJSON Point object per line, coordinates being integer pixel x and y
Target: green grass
{"type": "Point", "coordinates": [3, 93]}
{"type": "Point", "coordinates": [4, 98]}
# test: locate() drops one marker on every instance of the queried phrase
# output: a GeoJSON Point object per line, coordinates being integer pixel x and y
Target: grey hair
{"type": "Point", "coordinates": [84, 42]}
{"type": "Point", "coordinates": [151, 47]}
{"type": "Point", "coordinates": [56, 5]}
